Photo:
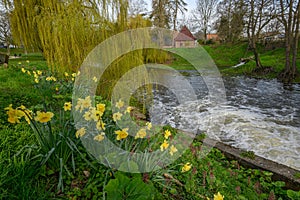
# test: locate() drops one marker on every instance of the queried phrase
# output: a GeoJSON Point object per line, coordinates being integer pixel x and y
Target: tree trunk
{"type": "Point", "coordinates": [256, 54]}
{"type": "Point", "coordinates": [288, 52]}
{"type": "Point", "coordinates": [8, 48]}
{"type": "Point", "coordinates": [257, 59]}
{"type": "Point", "coordinates": [296, 42]}
{"type": "Point", "coordinates": [291, 44]}
{"type": "Point", "coordinates": [205, 35]}
{"type": "Point", "coordinates": [175, 17]}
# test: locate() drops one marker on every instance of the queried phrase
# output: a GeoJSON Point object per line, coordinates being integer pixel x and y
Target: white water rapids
{"type": "Point", "coordinates": [260, 115]}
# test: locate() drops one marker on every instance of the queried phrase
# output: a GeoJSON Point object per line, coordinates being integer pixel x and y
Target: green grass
{"type": "Point", "coordinates": [22, 176]}
{"type": "Point", "coordinates": [179, 63]}
{"type": "Point", "coordinates": [13, 51]}
{"type": "Point", "coordinates": [16, 87]}
{"type": "Point", "coordinates": [227, 55]}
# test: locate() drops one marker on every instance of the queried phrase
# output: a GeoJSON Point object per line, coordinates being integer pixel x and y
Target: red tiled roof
{"type": "Point", "coordinates": [185, 35]}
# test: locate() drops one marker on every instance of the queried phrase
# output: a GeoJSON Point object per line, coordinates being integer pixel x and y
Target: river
{"type": "Point", "coordinates": [258, 115]}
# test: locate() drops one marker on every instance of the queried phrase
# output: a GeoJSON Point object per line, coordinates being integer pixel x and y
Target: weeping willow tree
{"type": "Point", "coordinates": [66, 31]}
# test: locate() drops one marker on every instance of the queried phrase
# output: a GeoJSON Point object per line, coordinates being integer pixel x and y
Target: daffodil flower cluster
{"type": "Point", "coordinates": [90, 114]}
{"type": "Point", "coordinates": [14, 115]}
{"type": "Point", "coordinates": [39, 74]}
{"type": "Point", "coordinates": [165, 145]}
{"type": "Point", "coordinates": [117, 116]}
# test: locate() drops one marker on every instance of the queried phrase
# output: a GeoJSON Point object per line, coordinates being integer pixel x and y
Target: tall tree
{"type": "Point", "coordinates": [137, 7]}
{"type": "Point", "coordinates": [204, 13]}
{"type": "Point", "coordinates": [5, 33]}
{"type": "Point", "coordinates": [259, 14]}
{"type": "Point", "coordinates": [231, 19]}
{"type": "Point", "coordinates": [160, 13]}
{"type": "Point", "coordinates": [290, 18]}
{"type": "Point", "coordinates": [177, 6]}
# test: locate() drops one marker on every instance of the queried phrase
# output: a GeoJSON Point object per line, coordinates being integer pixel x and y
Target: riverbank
{"type": "Point", "coordinates": [226, 56]}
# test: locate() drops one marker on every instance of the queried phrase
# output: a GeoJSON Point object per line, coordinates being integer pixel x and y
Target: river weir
{"type": "Point", "coordinates": [262, 116]}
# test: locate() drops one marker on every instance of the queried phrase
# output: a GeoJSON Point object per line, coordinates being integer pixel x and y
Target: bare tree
{"type": "Point", "coordinates": [137, 7]}
{"type": "Point", "coordinates": [204, 13]}
{"type": "Point", "coordinates": [177, 6]}
{"type": "Point", "coordinates": [259, 15]}
{"type": "Point", "coordinates": [290, 18]}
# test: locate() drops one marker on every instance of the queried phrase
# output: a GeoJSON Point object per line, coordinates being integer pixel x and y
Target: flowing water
{"type": "Point", "coordinates": [262, 116]}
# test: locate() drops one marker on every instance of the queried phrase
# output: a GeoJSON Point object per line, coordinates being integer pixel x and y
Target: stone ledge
{"type": "Point", "coordinates": [280, 172]}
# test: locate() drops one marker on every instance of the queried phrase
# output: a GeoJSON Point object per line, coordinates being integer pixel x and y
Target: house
{"type": "Point", "coordinates": [212, 36]}
{"type": "Point", "coordinates": [184, 38]}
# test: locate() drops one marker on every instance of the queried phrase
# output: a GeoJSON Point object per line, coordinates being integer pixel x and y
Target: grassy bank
{"type": "Point", "coordinates": [227, 55]}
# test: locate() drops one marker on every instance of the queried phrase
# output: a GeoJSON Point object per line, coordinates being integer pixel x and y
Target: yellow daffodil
{"type": "Point", "coordinates": [56, 89]}
{"type": "Point", "coordinates": [66, 74]}
{"type": "Point", "coordinates": [73, 79]}
{"type": "Point", "coordinates": [43, 117]}
{"type": "Point", "coordinates": [117, 116]}
{"type": "Point", "coordinates": [141, 134]}
{"type": "Point", "coordinates": [39, 72]}
{"type": "Point", "coordinates": [100, 107]}
{"type": "Point", "coordinates": [164, 145]}
{"type": "Point", "coordinates": [83, 103]}
{"type": "Point", "coordinates": [120, 104]}
{"type": "Point", "coordinates": [95, 79]}
{"type": "Point", "coordinates": [87, 116]}
{"type": "Point", "coordinates": [13, 114]}
{"type": "Point", "coordinates": [167, 134]}
{"type": "Point", "coordinates": [29, 73]}
{"type": "Point", "coordinates": [87, 103]}
{"type": "Point", "coordinates": [173, 150]}
{"type": "Point", "coordinates": [78, 73]}
{"type": "Point", "coordinates": [80, 132]}
{"type": "Point", "coordinates": [128, 109]}
{"type": "Point", "coordinates": [100, 125]}
{"type": "Point", "coordinates": [149, 125]}
{"type": "Point", "coordinates": [218, 196]}
{"type": "Point", "coordinates": [27, 113]}
{"type": "Point", "coordinates": [23, 70]}
{"type": "Point", "coordinates": [27, 61]}
{"type": "Point", "coordinates": [67, 106]}
{"type": "Point", "coordinates": [51, 78]}
{"type": "Point", "coordinates": [186, 167]}
{"type": "Point", "coordinates": [19, 63]}
{"type": "Point", "coordinates": [74, 75]}
{"type": "Point", "coordinates": [99, 137]}
{"type": "Point", "coordinates": [122, 134]}
{"type": "Point", "coordinates": [95, 114]}
{"type": "Point", "coordinates": [36, 80]}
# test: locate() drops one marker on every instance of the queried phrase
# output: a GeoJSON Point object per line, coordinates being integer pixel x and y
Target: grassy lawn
{"type": "Point", "coordinates": [28, 171]}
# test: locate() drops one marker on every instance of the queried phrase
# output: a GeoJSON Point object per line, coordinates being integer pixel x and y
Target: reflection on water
{"type": "Point", "coordinates": [260, 115]}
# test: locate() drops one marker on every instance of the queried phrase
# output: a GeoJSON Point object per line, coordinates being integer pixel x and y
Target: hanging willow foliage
{"type": "Point", "coordinates": [66, 31]}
